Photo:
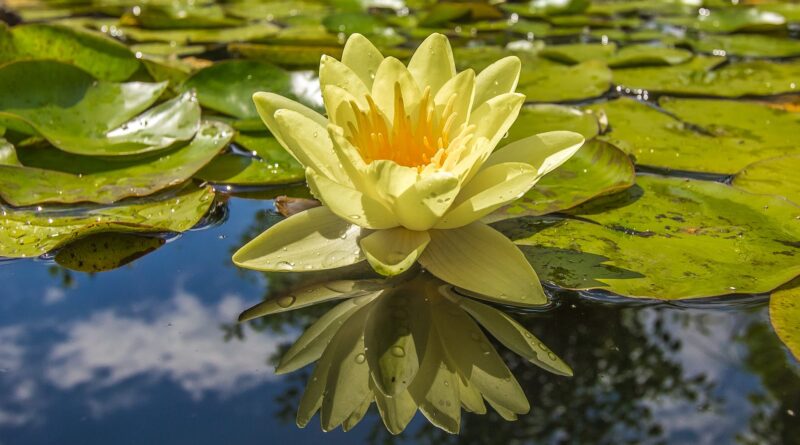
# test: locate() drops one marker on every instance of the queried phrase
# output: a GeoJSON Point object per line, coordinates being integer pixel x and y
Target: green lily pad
{"type": "Point", "coordinates": [730, 20]}
{"type": "Point", "coordinates": [574, 53]}
{"type": "Point", "coordinates": [667, 238]}
{"type": "Point", "coordinates": [31, 232]}
{"type": "Point", "coordinates": [244, 33]}
{"type": "Point", "coordinates": [698, 78]}
{"type": "Point", "coordinates": [255, 10]}
{"type": "Point", "coordinates": [746, 45]}
{"type": "Point", "coordinates": [177, 15]}
{"type": "Point", "coordinates": [776, 176]}
{"type": "Point", "coordinates": [107, 182]}
{"type": "Point", "coordinates": [100, 56]}
{"type": "Point", "coordinates": [228, 86]}
{"type": "Point", "coordinates": [542, 80]}
{"type": "Point", "coordinates": [106, 251]}
{"type": "Point", "coordinates": [703, 135]}
{"type": "Point", "coordinates": [784, 312]}
{"type": "Point", "coordinates": [441, 13]}
{"type": "Point", "coordinates": [597, 169]}
{"type": "Point", "coordinates": [167, 49]}
{"type": "Point", "coordinates": [83, 116]}
{"type": "Point", "coordinates": [546, 8]}
{"type": "Point", "coordinates": [632, 55]}
{"type": "Point", "coordinates": [541, 118]}
{"type": "Point", "coordinates": [286, 55]}
{"type": "Point", "coordinates": [270, 165]}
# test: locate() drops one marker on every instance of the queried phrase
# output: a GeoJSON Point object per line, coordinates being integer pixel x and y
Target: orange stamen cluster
{"type": "Point", "coordinates": [409, 142]}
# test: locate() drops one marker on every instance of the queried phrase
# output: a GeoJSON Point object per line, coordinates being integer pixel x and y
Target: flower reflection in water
{"type": "Point", "coordinates": [408, 343]}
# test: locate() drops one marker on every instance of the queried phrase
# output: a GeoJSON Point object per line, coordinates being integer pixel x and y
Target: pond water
{"type": "Point", "coordinates": [133, 165]}
{"type": "Point", "coordinates": [149, 353]}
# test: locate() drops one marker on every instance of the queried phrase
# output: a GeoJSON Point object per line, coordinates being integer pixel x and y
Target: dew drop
{"type": "Point", "coordinates": [360, 358]}
{"type": "Point", "coordinates": [398, 351]}
{"type": "Point", "coordinates": [286, 301]}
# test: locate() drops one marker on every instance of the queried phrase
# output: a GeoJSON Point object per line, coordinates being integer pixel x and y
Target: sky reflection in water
{"type": "Point", "coordinates": [150, 354]}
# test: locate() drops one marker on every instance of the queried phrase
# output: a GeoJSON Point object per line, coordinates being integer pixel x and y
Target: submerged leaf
{"type": "Point", "coordinates": [784, 313]}
{"type": "Point", "coordinates": [106, 251]}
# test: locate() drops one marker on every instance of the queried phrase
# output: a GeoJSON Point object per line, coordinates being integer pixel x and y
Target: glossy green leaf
{"type": "Point", "coordinates": [106, 251]}
{"type": "Point", "coordinates": [244, 33]}
{"type": "Point", "coordinates": [746, 45]}
{"type": "Point", "coordinates": [80, 115]}
{"type": "Point", "coordinates": [228, 86]}
{"type": "Point", "coordinates": [697, 78]}
{"type": "Point", "coordinates": [631, 55]}
{"type": "Point", "coordinates": [176, 15]}
{"type": "Point", "coordinates": [8, 154]}
{"type": "Point", "coordinates": [776, 176]}
{"type": "Point", "coordinates": [541, 118]}
{"type": "Point", "coordinates": [728, 20]}
{"type": "Point", "coordinates": [546, 8]}
{"type": "Point", "coordinates": [107, 182]}
{"type": "Point", "coordinates": [95, 53]}
{"type": "Point", "coordinates": [703, 135]}
{"type": "Point", "coordinates": [784, 313]}
{"type": "Point", "coordinates": [667, 238]}
{"type": "Point", "coordinates": [29, 232]}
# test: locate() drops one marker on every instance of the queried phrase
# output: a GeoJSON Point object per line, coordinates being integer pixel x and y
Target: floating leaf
{"type": "Point", "coordinates": [546, 8]}
{"type": "Point", "coordinates": [228, 86]}
{"type": "Point", "coordinates": [728, 20]}
{"type": "Point", "coordinates": [541, 118]}
{"type": "Point", "coordinates": [30, 232]}
{"type": "Point", "coordinates": [746, 45]}
{"type": "Point", "coordinates": [176, 15]}
{"type": "Point", "coordinates": [106, 251]}
{"type": "Point", "coordinates": [703, 135]}
{"type": "Point", "coordinates": [107, 182]}
{"type": "Point", "coordinates": [597, 169]}
{"type": "Point", "coordinates": [245, 33]}
{"type": "Point", "coordinates": [667, 238]}
{"type": "Point", "coordinates": [776, 176]}
{"type": "Point", "coordinates": [100, 56]}
{"type": "Point", "coordinates": [270, 164]}
{"type": "Point", "coordinates": [698, 78]}
{"type": "Point", "coordinates": [83, 116]}
{"type": "Point", "coordinates": [8, 155]}
{"type": "Point", "coordinates": [784, 313]}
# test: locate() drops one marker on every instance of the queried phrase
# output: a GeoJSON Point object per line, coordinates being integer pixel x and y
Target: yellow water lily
{"type": "Point", "coordinates": [406, 344]}
{"type": "Point", "coordinates": [405, 169]}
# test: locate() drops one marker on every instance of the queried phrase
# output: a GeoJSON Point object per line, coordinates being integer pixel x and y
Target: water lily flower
{"type": "Point", "coordinates": [405, 169]}
{"type": "Point", "coordinates": [406, 345]}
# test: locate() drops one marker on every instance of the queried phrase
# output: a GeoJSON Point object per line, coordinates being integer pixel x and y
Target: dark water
{"type": "Point", "coordinates": [150, 354]}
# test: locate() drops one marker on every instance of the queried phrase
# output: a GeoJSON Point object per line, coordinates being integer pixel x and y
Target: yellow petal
{"type": "Point", "coordinates": [393, 251]}
{"type": "Point", "coordinates": [471, 398]}
{"type": "Point", "coordinates": [348, 379]}
{"type": "Point", "coordinates": [337, 104]}
{"type": "Point", "coordinates": [481, 260]}
{"type": "Point", "coordinates": [494, 117]}
{"type": "Point", "coordinates": [333, 72]}
{"type": "Point", "coordinates": [424, 203]}
{"type": "Point", "coordinates": [432, 63]}
{"type": "Point", "coordinates": [544, 151]}
{"type": "Point", "coordinates": [361, 56]}
{"type": "Point", "coordinates": [268, 103]}
{"type": "Point", "coordinates": [350, 204]}
{"type": "Point", "coordinates": [462, 86]}
{"type": "Point", "coordinates": [309, 143]}
{"type": "Point", "coordinates": [356, 416]}
{"type": "Point", "coordinates": [315, 239]}
{"type": "Point", "coordinates": [396, 411]}
{"type": "Point", "coordinates": [498, 78]}
{"type": "Point", "coordinates": [515, 337]}
{"type": "Point", "coordinates": [490, 189]}
{"type": "Point", "coordinates": [391, 72]}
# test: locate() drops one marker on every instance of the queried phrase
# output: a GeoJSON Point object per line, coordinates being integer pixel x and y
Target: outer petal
{"type": "Point", "coordinates": [396, 411]}
{"type": "Point", "coordinates": [481, 260]}
{"type": "Point", "coordinates": [490, 189]}
{"type": "Point", "coordinates": [493, 119]}
{"type": "Point", "coordinates": [462, 86]}
{"type": "Point", "coordinates": [432, 63]}
{"type": "Point", "coordinates": [361, 56]}
{"type": "Point", "coordinates": [268, 103]}
{"type": "Point", "coordinates": [392, 72]}
{"type": "Point", "coordinates": [350, 204]}
{"type": "Point", "coordinates": [337, 104]}
{"type": "Point", "coordinates": [310, 144]}
{"type": "Point", "coordinates": [421, 206]}
{"type": "Point", "coordinates": [315, 239]}
{"type": "Point", "coordinates": [498, 78]}
{"type": "Point", "coordinates": [544, 151]}
{"type": "Point", "coordinates": [393, 251]}
{"type": "Point", "coordinates": [333, 72]}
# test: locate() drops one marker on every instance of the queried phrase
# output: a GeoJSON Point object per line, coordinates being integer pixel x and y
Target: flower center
{"type": "Point", "coordinates": [411, 141]}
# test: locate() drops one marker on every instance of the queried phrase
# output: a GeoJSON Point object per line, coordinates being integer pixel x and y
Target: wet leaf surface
{"type": "Point", "coordinates": [776, 176]}
{"type": "Point", "coordinates": [106, 251]}
{"type": "Point", "coordinates": [784, 313]}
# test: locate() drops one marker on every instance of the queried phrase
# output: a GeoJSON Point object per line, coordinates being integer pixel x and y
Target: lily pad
{"type": "Point", "coordinates": [746, 45]}
{"type": "Point", "coordinates": [597, 169]}
{"type": "Point", "coordinates": [541, 118]}
{"type": "Point", "coordinates": [100, 56]}
{"type": "Point", "coordinates": [698, 78]}
{"type": "Point", "coordinates": [8, 155]}
{"type": "Point", "coordinates": [83, 116]}
{"type": "Point", "coordinates": [31, 232]}
{"type": "Point", "coordinates": [776, 176]}
{"type": "Point", "coordinates": [546, 8]}
{"type": "Point", "coordinates": [286, 55]}
{"type": "Point", "coordinates": [729, 20]}
{"type": "Point", "coordinates": [703, 135]}
{"type": "Point", "coordinates": [667, 238]}
{"type": "Point", "coordinates": [228, 86]}
{"type": "Point", "coordinates": [244, 33]}
{"type": "Point", "coordinates": [254, 9]}
{"type": "Point", "coordinates": [632, 55]}
{"type": "Point", "coordinates": [270, 164]}
{"type": "Point", "coordinates": [176, 15]}
{"type": "Point", "coordinates": [108, 182]}
{"type": "Point", "coordinates": [784, 313]}
{"type": "Point", "coordinates": [106, 251]}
